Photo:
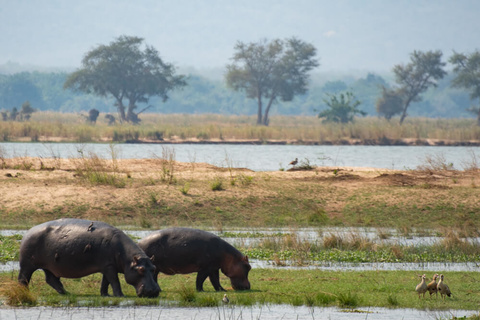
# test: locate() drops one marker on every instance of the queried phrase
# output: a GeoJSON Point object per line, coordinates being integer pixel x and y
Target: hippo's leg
{"type": "Point", "coordinates": [104, 287]}
{"type": "Point", "coordinates": [25, 275]}
{"type": "Point", "coordinates": [201, 276]}
{"type": "Point", "coordinates": [54, 282]}
{"type": "Point", "coordinates": [111, 277]}
{"type": "Point", "coordinates": [215, 280]}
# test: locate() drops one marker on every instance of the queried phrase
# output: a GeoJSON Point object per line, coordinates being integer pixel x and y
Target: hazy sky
{"type": "Point", "coordinates": [361, 35]}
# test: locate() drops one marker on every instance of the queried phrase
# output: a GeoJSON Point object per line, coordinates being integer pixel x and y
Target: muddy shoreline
{"type": "Point", "coordinates": [353, 142]}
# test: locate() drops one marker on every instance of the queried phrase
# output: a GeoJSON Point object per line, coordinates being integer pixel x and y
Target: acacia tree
{"type": "Point", "coordinates": [467, 69]}
{"type": "Point", "coordinates": [271, 70]}
{"type": "Point", "coordinates": [125, 72]}
{"type": "Point", "coordinates": [341, 108]}
{"type": "Point", "coordinates": [423, 71]}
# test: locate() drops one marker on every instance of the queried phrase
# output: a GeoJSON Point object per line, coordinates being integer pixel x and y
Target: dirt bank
{"type": "Point", "coordinates": [153, 192]}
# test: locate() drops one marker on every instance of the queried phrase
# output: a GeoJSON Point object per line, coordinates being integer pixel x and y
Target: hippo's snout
{"type": "Point", "coordinates": [243, 285]}
{"type": "Point", "coordinates": [152, 292]}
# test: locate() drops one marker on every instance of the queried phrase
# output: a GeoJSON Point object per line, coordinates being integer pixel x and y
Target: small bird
{"type": "Point", "coordinates": [443, 288]}
{"type": "Point", "coordinates": [432, 286]}
{"type": "Point", "coordinates": [421, 287]}
{"type": "Point", "coordinates": [294, 162]}
{"type": "Point", "coordinates": [225, 299]}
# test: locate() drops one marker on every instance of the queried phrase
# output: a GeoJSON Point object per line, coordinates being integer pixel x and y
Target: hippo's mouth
{"type": "Point", "coordinates": [145, 293]}
{"type": "Point", "coordinates": [241, 286]}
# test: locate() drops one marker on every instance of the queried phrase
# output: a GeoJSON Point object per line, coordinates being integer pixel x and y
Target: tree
{"type": "Point", "coordinates": [334, 87]}
{"type": "Point", "coordinates": [342, 108]}
{"type": "Point", "coordinates": [390, 103]}
{"type": "Point", "coordinates": [271, 70]}
{"type": "Point", "coordinates": [123, 71]}
{"type": "Point", "coordinates": [467, 71]}
{"type": "Point", "coordinates": [26, 111]}
{"type": "Point", "coordinates": [424, 69]}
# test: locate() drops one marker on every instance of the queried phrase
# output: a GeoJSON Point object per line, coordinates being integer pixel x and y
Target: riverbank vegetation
{"type": "Point", "coordinates": [349, 290]}
{"type": "Point", "coordinates": [434, 199]}
{"type": "Point", "coordinates": [214, 128]}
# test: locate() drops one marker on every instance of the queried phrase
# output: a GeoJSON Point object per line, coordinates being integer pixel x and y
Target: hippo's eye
{"type": "Point", "coordinates": [141, 270]}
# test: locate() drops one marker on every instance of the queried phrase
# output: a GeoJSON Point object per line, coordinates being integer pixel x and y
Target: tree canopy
{"type": "Point", "coordinates": [424, 69]}
{"type": "Point", "coordinates": [467, 76]}
{"type": "Point", "coordinates": [342, 108]}
{"type": "Point", "coordinates": [271, 70]}
{"type": "Point", "coordinates": [125, 72]}
{"type": "Point", "coordinates": [389, 103]}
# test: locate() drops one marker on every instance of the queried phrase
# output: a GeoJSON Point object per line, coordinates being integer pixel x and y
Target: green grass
{"type": "Point", "coordinates": [388, 289]}
{"type": "Point", "coordinates": [9, 247]}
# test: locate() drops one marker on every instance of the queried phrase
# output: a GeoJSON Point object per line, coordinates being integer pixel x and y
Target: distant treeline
{"type": "Point", "coordinates": [44, 91]}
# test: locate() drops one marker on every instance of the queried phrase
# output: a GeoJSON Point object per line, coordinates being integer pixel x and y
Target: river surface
{"type": "Point", "coordinates": [258, 157]}
{"type": "Point", "coordinates": [267, 312]}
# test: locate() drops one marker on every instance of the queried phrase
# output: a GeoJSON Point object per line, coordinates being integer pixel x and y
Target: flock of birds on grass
{"type": "Point", "coordinates": [422, 288]}
{"type": "Point", "coordinates": [433, 287]}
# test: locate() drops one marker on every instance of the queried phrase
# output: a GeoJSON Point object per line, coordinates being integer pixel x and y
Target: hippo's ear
{"type": "Point", "coordinates": [245, 259]}
{"type": "Point", "coordinates": [135, 261]}
{"type": "Point", "coordinates": [152, 258]}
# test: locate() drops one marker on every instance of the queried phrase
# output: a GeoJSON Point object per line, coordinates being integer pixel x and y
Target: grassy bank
{"type": "Point", "coordinates": [49, 126]}
{"type": "Point", "coordinates": [154, 193]}
{"type": "Point", "coordinates": [390, 289]}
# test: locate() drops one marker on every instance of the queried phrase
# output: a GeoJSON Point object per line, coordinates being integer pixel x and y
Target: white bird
{"type": "Point", "coordinates": [421, 287]}
{"type": "Point", "coordinates": [443, 288]}
{"type": "Point", "coordinates": [225, 299]}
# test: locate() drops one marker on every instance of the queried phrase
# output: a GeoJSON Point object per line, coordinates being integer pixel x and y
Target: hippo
{"type": "Point", "coordinates": [74, 248]}
{"type": "Point", "coordinates": [185, 250]}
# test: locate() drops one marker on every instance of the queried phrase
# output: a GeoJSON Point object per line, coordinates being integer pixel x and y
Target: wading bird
{"type": "Point", "coordinates": [432, 286]}
{"type": "Point", "coordinates": [443, 288]}
{"type": "Point", "coordinates": [294, 162]}
{"type": "Point", "coordinates": [421, 287]}
{"type": "Point", "coordinates": [225, 299]}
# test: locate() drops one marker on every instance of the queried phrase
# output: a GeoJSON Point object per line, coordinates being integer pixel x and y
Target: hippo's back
{"type": "Point", "coordinates": [68, 247]}
{"type": "Point", "coordinates": [184, 250]}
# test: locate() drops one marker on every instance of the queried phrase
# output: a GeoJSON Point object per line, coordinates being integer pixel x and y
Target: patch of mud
{"type": "Point", "coordinates": [397, 179]}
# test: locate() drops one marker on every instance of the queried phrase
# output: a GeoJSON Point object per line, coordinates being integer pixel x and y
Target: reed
{"type": "Point", "coordinates": [16, 294]}
{"type": "Point", "coordinates": [52, 126]}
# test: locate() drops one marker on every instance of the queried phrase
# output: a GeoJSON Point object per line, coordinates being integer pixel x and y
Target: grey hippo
{"type": "Point", "coordinates": [185, 250]}
{"type": "Point", "coordinates": [74, 248]}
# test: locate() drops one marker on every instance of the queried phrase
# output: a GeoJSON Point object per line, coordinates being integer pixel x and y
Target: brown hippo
{"type": "Point", "coordinates": [74, 248]}
{"type": "Point", "coordinates": [184, 250]}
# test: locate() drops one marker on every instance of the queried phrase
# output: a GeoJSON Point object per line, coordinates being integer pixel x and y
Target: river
{"type": "Point", "coordinates": [265, 312]}
{"type": "Point", "coordinates": [259, 157]}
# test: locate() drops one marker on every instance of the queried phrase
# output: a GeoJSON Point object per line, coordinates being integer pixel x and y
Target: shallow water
{"type": "Point", "coordinates": [313, 235]}
{"type": "Point", "coordinates": [274, 312]}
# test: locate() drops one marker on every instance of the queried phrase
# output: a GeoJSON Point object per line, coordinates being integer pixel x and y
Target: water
{"type": "Point", "coordinates": [258, 157]}
{"type": "Point", "coordinates": [313, 235]}
{"type": "Point", "coordinates": [266, 312]}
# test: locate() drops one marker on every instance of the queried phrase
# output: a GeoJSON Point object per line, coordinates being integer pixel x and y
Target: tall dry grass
{"type": "Point", "coordinates": [72, 127]}
{"type": "Point", "coordinates": [16, 294]}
